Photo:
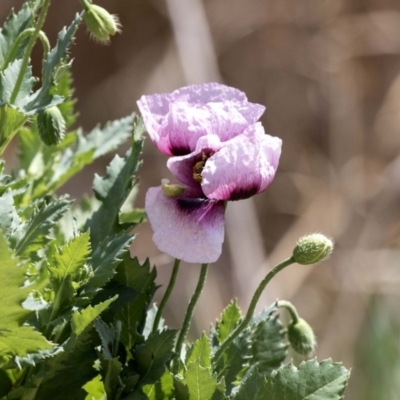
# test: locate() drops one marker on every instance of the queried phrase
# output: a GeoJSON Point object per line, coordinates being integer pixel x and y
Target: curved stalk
{"type": "Point", "coordinates": [252, 306]}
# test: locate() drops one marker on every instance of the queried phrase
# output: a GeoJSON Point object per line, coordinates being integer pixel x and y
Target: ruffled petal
{"type": "Point", "coordinates": [177, 120]}
{"type": "Point", "coordinates": [242, 167]}
{"type": "Point", "coordinates": [190, 229]}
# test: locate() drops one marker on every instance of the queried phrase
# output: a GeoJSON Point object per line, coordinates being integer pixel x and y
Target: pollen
{"type": "Point", "coordinates": [198, 167]}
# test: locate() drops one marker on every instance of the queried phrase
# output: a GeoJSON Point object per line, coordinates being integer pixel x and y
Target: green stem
{"type": "Point", "coordinates": [252, 306]}
{"type": "Point", "coordinates": [189, 314]}
{"type": "Point", "coordinates": [23, 35]}
{"type": "Point", "coordinates": [85, 3]}
{"type": "Point", "coordinates": [167, 294]}
{"type": "Point", "coordinates": [290, 307]}
{"type": "Point", "coordinates": [29, 47]}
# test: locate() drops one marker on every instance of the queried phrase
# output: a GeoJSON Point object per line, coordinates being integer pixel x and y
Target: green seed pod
{"type": "Point", "coordinates": [101, 24]}
{"type": "Point", "coordinates": [301, 337]}
{"type": "Point", "coordinates": [51, 125]}
{"type": "Point", "coordinates": [312, 249]}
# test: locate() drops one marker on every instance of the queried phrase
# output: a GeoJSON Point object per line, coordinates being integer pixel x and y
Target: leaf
{"type": "Point", "coordinates": [254, 388]}
{"type": "Point", "coordinates": [269, 346]}
{"type": "Point", "coordinates": [62, 377]}
{"type": "Point", "coordinates": [65, 89]}
{"type": "Point", "coordinates": [105, 259]}
{"type": "Point", "coordinates": [142, 280]}
{"type": "Point", "coordinates": [161, 390]}
{"type": "Point", "coordinates": [228, 321]}
{"type": "Point", "coordinates": [109, 335]}
{"type": "Point", "coordinates": [43, 97]}
{"type": "Point", "coordinates": [110, 372]}
{"type": "Point", "coordinates": [8, 80]}
{"type": "Point", "coordinates": [153, 354]}
{"type": "Point", "coordinates": [11, 120]}
{"type": "Point", "coordinates": [14, 25]}
{"type": "Point", "coordinates": [198, 377]}
{"type": "Point", "coordinates": [15, 340]}
{"type": "Point", "coordinates": [135, 216]}
{"type": "Point", "coordinates": [112, 190]}
{"type": "Point", "coordinates": [32, 236]}
{"type": "Point", "coordinates": [81, 320]}
{"type": "Point", "coordinates": [200, 352]}
{"type": "Point", "coordinates": [67, 267]}
{"type": "Point", "coordinates": [95, 389]}
{"type": "Point", "coordinates": [106, 139]}
{"type": "Point", "coordinates": [9, 219]}
{"type": "Point", "coordinates": [310, 381]}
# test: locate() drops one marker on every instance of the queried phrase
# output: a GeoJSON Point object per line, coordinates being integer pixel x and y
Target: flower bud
{"type": "Point", "coordinates": [51, 125]}
{"type": "Point", "coordinates": [171, 190]}
{"type": "Point", "coordinates": [312, 248]}
{"type": "Point", "coordinates": [101, 24]}
{"type": "Point", "coordinates": [301, 337]}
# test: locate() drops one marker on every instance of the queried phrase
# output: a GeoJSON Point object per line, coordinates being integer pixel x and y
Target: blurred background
{"type": "Point", "coordinates": [329, 74]}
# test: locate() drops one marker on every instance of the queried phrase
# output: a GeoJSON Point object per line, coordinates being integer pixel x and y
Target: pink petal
{"type": "Point", "coordinates": [243, 167]}
{"type": "Point", "coordinates": [190, 229]}
{"type": "Point", "coordinates": [177, 120]}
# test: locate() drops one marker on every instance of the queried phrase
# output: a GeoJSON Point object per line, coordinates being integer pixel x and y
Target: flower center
{"type": "Point", "coordinates": [198, 167]}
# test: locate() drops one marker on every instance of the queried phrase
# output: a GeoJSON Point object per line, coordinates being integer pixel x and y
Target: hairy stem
{"type": "Point", "coordinates": [167, 294]}
{"type": "Point", "coordinates": [29, 47]}
{"type": "Point", "coordinates": [290, 307]}
{"type": "Point", "coordinates": [189, 314]}
{"type": "Point", "coordinates": [257, 294]}
{"type": "Point", "coordinates": [23, 35]}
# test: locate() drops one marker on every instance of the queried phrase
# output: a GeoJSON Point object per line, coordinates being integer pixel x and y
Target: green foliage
{"type": "Point", "coordinates": [76, 315]}
{"type": "Point", "coordinates": [16, 339]}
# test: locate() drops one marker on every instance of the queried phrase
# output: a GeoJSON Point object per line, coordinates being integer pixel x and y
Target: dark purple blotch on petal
{"type": "Point", "coordinates": [244, 193]}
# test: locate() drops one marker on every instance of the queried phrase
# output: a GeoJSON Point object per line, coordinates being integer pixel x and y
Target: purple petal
{"type": "Point", "coordinates": [243, 167]}
{"type": "Point", "coordinates": [177, 120]}
{"type": "Point", "coordinates": [190, 229]}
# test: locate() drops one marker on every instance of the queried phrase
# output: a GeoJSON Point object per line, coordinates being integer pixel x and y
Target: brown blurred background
{"type": "Point", "coordinates": [329, 73]}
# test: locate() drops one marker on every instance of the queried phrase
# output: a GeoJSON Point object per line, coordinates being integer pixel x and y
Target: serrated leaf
{"type": "Point", "coordinates": [228, 321]}
{"type": "Point", "coordinates": [200, 352]}
{"type": "Point", "coordinates": [254, 388]}
{"type": "Point", "coordinates": [269, 346]}
{"type": "Point", "coordinates": [65, 89]}
{"type": "Point", "coordinates": [8, 80]}
{"type": "Point", "coordinates": [81, 320]}
{"type": "Point", "coordinates": [63, 376]}
{"type": "Point", "coordinates": [15, 340]}
{"type": "Point", "coordinates": [161, 390]}
{"type": "Point", "coordinates": [106, 139]}
{"type": "Point", "coordinates": [66, 268]}
{"type": "Point", "coordinates": [109, 335]}
{"type": "Point", "coordinates": [142, 280]}
{"type": "Point", "coordinates": [135, 216]}
{"type": "Point", "coordinates": [310, 381]}
{"type": "Point", "coordinates": [105, 259]}
{"type": "Point", "coordinates": [95, 389]}
{"type": "Point", "coordinates": [153, 354]}
{"type": "Point", "coordinates": [112, 190]}
{"type": "Point", "coordinates": [14, 25]}
{"type": "Point", "coordinates": [43, 97]}
{"type": "Point", "coordinates": [33, 235]}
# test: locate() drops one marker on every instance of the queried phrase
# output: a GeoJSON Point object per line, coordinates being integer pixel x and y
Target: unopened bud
{"type": "Point", "coordinates": [301, 337]}
{"type": "Point", "coordinates": [171, 190]}
{"type": "Point", "coordinates": [312, 248]}
{"type": "Point", "coordinates": [51, 125]}
{"type": "Point", "coordinates": [101, 24]}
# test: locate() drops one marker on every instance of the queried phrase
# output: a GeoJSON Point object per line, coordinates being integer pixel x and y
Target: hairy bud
{"type": "Point", "coordinates": [301, 337]}
{"type": "Point", "coordinates": [51, 125]}
{"type": "Point", "coordinates": [312, 249]}
{"type": "Point", "coordinates": [101, 24]}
